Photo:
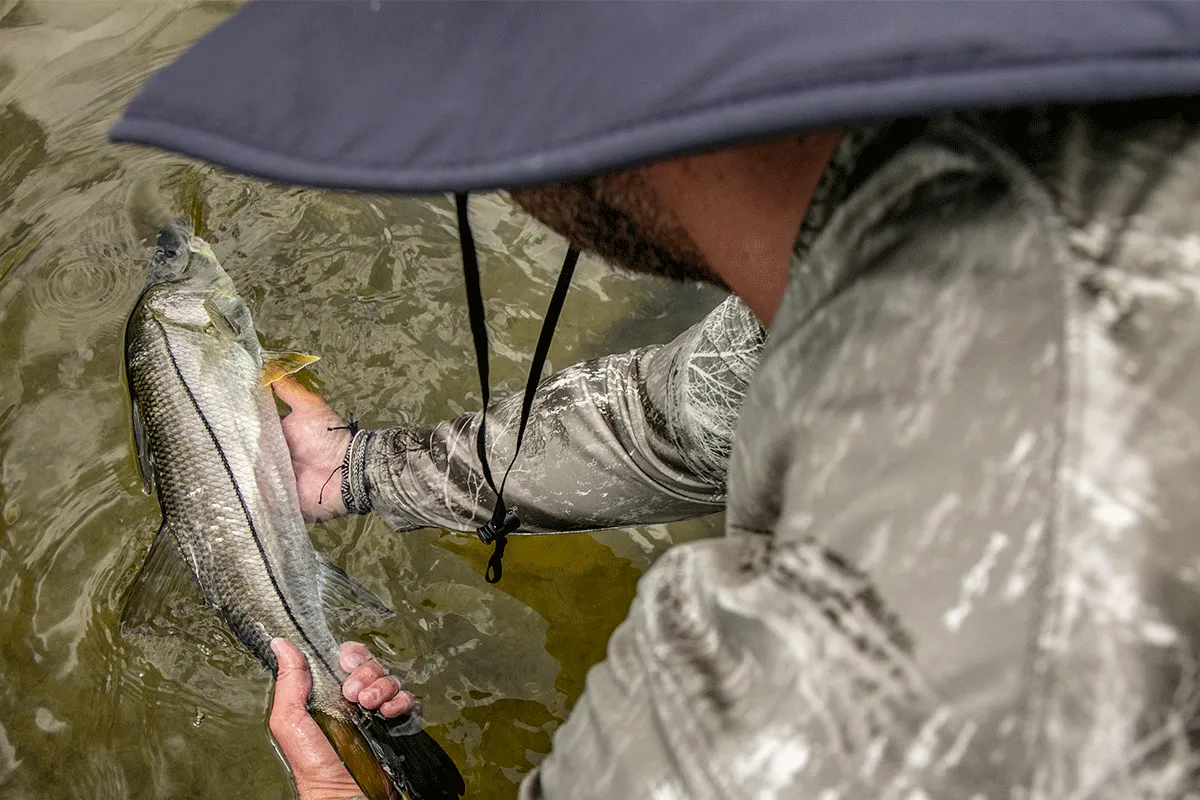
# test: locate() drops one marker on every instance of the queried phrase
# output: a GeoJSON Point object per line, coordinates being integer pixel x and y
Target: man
{"type": "Point", "coordinates": [961, 556]}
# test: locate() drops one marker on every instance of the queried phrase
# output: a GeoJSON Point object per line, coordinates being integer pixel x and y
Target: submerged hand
{"type": "Point", "coordinates": [319, 773]}
{"type": "Point", "coordinates": [317, 451]}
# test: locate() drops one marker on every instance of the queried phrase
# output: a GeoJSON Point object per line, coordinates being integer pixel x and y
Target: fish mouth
{"type": "Point", "coordinates": [201, 247]}
{"type": "Point", "coordinates": [181, 234]}
{"type": "Point", "coordinates": [181, 255]}
{"type": "Point", "coordinates": [176, 235]}
{"type": "Point", "coordinates": [178, 253]}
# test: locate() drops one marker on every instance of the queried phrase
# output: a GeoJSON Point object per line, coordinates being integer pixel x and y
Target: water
{"type": "Point", "coordinates": [372, 284]}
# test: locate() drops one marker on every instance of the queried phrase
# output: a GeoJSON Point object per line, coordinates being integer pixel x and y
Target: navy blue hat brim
{"type": "Point", "coordinates": [414, 96]}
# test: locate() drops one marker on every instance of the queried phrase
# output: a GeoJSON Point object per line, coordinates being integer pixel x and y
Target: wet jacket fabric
{"type": "Point", "coordinates": [961, 557]}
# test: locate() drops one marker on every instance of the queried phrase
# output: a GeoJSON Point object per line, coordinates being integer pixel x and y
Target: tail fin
{"type": "Point", "coordinates": [383, 761]}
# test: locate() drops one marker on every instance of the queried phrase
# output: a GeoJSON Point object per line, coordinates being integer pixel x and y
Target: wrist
{"type": "Point", "coordinates": [336, 790]}
{"type": "Point", "coordinates": [356, 488]}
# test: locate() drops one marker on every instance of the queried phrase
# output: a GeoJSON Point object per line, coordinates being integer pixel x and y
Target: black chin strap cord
{"type": "Point", "coordinates": [504, 519]}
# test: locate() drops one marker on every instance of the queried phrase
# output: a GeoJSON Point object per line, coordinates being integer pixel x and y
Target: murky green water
{"type": "Point", "coordinates": [373, 285]}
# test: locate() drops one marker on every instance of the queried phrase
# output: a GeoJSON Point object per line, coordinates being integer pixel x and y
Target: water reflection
{"type": "Point", "coordinates": [371, 283]}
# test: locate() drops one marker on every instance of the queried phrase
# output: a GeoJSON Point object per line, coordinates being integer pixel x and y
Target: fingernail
{"type": "Point", "coordinates": [274, 649]}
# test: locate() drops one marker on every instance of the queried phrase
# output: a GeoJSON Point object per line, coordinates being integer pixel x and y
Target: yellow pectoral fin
{"type": "Point", "coordinates": [277, 363]}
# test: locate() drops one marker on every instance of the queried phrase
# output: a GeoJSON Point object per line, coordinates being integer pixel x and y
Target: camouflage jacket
{"type": "Point", "coordinates": [962, 555]}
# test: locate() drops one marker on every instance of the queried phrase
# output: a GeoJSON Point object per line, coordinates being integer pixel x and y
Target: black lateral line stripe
{"type": "Point", "coordinates": [242, 501]}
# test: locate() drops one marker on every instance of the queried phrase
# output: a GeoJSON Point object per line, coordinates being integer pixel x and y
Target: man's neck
{"type": "Point", "coordinates": [743, 207]}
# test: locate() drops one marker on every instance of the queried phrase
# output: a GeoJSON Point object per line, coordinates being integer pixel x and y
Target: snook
{"type": "Point", "coordinates": [210, 444]}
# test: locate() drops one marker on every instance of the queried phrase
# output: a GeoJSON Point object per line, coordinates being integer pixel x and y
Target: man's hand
{"type": "Point", "coordinates": [317, 452]}
{"type": "Point", "coordinates": [318, 771]}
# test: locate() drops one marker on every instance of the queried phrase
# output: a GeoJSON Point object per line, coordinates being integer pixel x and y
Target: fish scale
{"type": "Point", "coordinates": [211, 445]}
{"type": "Point", "coordinates": [203, 494]}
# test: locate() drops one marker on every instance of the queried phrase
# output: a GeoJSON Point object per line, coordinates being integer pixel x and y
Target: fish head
{"type": "Point", "coordinates": [181, 256]}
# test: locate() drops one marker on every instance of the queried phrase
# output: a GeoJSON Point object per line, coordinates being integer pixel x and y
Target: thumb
{"type": "Point", "coordinates": [296, 396]}
{"type": "Point", "coordinates": [293, 681]}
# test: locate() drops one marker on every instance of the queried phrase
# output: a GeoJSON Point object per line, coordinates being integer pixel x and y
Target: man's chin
{"type": "Point", "coordinates": [648, 242]}
{"type": "Point", "coordinates": [678, 271]}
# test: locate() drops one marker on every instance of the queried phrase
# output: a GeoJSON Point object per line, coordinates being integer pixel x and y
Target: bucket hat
{"type": "Point", "coordinates": [431, 95]}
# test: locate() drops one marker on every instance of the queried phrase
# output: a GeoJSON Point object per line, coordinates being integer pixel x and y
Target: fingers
{"type": "Point", "coordinates": [369, 685]}
{"type": "Point", "coordinates": [352, 654]}
{"type": "Point", "coordinates": [385, 692]}
{"type": "Point", "coordinates": [402, 704]}
{"type": "Point", "coordinates": [298, 398]}
{"type": "Point", "coordinates": [362, 676]}
{"type": "Point", "coordinates": [293, 682]}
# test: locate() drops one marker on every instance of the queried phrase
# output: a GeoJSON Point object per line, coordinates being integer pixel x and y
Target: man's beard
{"type": "Point", "coordinates": [619, 218]}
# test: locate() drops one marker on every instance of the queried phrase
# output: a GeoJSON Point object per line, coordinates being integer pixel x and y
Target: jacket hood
{"type": "Point", "coordinates": [414, 96]}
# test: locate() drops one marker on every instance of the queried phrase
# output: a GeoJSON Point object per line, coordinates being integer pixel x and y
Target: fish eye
{"type": "Point", "coordinates": [168, 252]}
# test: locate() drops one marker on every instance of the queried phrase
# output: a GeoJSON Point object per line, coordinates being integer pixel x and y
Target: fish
{"type": "Point", "coordinates": [210, 445]}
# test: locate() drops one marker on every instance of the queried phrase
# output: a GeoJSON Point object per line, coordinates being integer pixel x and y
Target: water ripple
{"type": "Point", "coordinates": [71, 291]}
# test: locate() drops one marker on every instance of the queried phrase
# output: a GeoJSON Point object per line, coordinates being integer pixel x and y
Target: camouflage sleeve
{"type": "Point", "coordinates": [637, 438]}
